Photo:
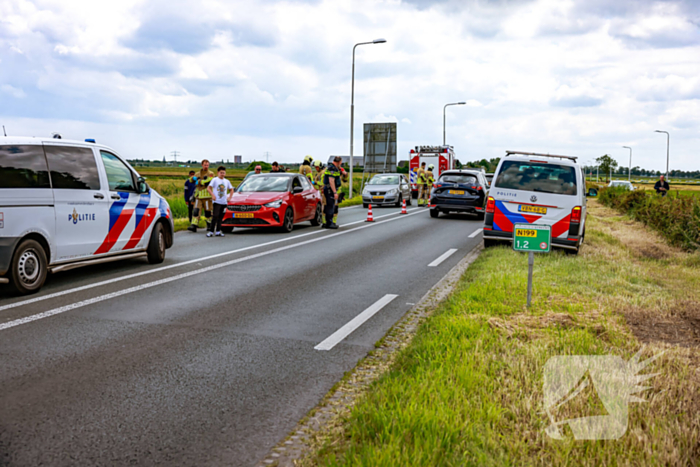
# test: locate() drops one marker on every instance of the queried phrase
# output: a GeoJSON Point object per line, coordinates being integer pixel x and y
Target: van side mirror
{"type": "Point", "coordinates": [592, 192]}
{"type": "Point", "coordinates": [142, 186]}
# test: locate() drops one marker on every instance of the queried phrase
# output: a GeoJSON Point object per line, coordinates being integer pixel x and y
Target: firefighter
{"type": "Point", "coordinates": [421, 180]}
{"type": "Point", "coordinates": [331, 191]}
{"type": "Point", "coordinates": [202, 197]}
{"type": "Point", "coordinates": [318, 184]}
{"type": "Point", "coordinates": [305, 168]}
{"type": "Point", "coordinates": [429, 180]}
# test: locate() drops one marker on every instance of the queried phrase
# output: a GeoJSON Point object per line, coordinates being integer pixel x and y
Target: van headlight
{"type": "Point", "coordinates": [274, 204]}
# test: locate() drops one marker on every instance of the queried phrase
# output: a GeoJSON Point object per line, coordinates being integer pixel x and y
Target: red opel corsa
{"type": "Point", "coordinates": [273, 200]}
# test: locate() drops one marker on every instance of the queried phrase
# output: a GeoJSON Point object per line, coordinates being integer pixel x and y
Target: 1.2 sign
{"type": "Point", "coordinates": [532, 237]}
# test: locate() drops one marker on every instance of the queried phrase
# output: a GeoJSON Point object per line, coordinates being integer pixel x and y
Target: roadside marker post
{"type": "Point", "coordinates": [532, 238]}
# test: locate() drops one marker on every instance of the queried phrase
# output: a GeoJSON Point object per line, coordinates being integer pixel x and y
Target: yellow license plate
{"type": "Point", "coordinates": [243, 215]}
{"type": "Point", "coordinates": [377, 197]}
{"type": "Point", "coordinates": [456, 192]}
{"type": "Point", "coordinates": [525, 233]}
{"type": "Point", "coordinates": [533, 209]}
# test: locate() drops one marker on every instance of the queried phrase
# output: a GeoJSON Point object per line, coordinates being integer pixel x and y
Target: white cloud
{"type": "Point", "coordinates": [248, 77]}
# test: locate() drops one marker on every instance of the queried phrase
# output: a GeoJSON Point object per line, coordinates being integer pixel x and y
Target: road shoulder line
{"type": "Point", "coordinates": [337, 403]}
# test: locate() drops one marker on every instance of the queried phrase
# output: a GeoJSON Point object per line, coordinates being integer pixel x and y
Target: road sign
{"type": "Point", "coordinates": [532, 237]}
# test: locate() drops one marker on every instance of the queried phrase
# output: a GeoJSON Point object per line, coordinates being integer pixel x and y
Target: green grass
{"type": "Point", "coordinates": [468, 389]}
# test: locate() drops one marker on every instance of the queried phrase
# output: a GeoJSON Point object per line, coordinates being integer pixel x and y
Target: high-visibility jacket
{"type": "Point", "coordinates": [318, 179]}
{"type": "Point", "coordinates": [422, 180]}
{"type": "Point", "coordinates": [429, 178]}
{"type": "Point", "coordinates": [305, 169]}
{"type": "Point", "coordinates": [203, 180]}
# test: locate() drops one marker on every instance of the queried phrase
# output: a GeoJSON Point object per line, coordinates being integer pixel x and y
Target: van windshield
{"type": "Point", "coordinates": [537, 176]}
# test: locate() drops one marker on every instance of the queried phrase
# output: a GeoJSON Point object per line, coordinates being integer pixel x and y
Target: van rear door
{"type": "Point", "coordinates": [540, 192]}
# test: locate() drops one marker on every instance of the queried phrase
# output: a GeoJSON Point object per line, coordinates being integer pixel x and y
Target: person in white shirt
{"type": "Point", "coordinates": [221, 191]}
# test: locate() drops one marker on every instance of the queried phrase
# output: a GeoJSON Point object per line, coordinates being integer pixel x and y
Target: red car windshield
{"type": "Point", "coordinates": [261, 183]}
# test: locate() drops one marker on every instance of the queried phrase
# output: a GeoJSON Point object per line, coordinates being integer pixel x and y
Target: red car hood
{"type": "Point", "coordinates": [255, 198]}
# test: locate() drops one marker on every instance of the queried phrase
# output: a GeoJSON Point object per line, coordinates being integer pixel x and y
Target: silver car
{"type": "Point", "coordinates": [389, 188]}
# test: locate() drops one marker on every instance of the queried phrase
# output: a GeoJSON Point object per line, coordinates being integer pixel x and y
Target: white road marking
{"type": "Point", "coordinates": [475, 233]}
{"type": "Point", "coordinates": [442, 258]}
{"type": "Point", "coordinates": [119, 293]}
{"type": "Point", "coordinates": [355, 323]}
{"type": "Point", "coordinates": [164, 268]}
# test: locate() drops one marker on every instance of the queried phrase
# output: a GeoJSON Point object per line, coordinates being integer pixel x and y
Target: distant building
{"type": "Point", "coordinates": [237, 159]}
{"type": "Point", "coordinates": [358, 161]}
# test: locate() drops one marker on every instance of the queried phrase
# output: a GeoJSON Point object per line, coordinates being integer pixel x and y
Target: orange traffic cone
{"type": "Point", "coordinates": [369, 214]}
{"type": "Point", "coordinates": [403, 207]}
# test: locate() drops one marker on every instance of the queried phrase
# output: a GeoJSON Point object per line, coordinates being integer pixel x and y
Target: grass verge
{"type": "Point", "coordinates": [468, 388]}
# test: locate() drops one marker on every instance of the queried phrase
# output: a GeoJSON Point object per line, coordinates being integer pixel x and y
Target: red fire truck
{"type": "Point", "coordinates": [442, 157]}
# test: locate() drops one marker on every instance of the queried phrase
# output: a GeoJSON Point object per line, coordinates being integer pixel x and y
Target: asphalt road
{"type": "Point", "coordinates": [212, 357]}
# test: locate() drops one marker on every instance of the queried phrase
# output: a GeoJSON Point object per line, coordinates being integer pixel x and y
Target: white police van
{"type": "Point", "coordinates": [65, 204]}
{"type": "Point", "coordinates": [537, 189]}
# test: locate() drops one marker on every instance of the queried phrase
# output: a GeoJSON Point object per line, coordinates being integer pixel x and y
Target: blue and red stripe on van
{"type": "Point", "coordinates": [503, 220]}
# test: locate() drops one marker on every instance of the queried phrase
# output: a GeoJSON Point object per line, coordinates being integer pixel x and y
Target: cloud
{"type": "Point", "coordinates": [248, 77]}
{"type": "Point", "coordinates": [13, 91]}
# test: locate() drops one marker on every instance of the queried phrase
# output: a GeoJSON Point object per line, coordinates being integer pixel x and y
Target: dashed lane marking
{"type": "Point", "coordinates": [442, 257]}
{"type": "Point", "coordinates": [355, 323]}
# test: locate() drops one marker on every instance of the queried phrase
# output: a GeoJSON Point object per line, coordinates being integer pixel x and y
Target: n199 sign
{"type": "Point", "coordinates": [532, 237]}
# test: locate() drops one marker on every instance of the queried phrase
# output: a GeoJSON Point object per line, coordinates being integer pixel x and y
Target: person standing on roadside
{"type": "Point", "coordinates": [421, 183]}
{"type": "Point", "coordinates": [662, 186]}
{"type": "Point", "coordinates": [220, 190]}
{"type": "Point", "coordinates": [190, 186]}
{"type": "Point", "coordinates": [429, 180]}
{"type": "Point", "coordinates": [305, 168]}
{"type": "Point", "coordinates": [331, 189]}
{"type": "Point", "coordinates": [204, 177]}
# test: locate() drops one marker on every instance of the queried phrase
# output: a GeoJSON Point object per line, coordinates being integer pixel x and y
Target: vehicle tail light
{"type": "Point", "coordinates": [490, 205]}
{"type": "Point", "coordinates": [479, 188]}
{"type": "Point", "coordinates": [438, 185]}
{"type": "Point", "coordinates": [576, 214]}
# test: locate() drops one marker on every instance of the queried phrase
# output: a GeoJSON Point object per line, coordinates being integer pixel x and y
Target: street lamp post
{"type": "Point", "coordinates": [443, 119]}
{"type": "Point", "coordinates": [629, 171]}
{"type": "Point", "coordinates": [668, 142]}
{"type": "Point", "coordinates": [352, 104]}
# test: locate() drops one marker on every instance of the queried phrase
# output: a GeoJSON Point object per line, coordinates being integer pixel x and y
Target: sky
{"type": "Point", "coordinates": [213, 79]}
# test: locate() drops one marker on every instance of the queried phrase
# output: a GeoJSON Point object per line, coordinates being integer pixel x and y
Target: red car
{"type": "Point", "coordinates": [273, 200]}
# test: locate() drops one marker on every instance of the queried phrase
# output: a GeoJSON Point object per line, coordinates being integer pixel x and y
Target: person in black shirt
{"type": "Point", "coordinates": [661, 186]}
{"type": "Point", "coordinates": [331, 188]}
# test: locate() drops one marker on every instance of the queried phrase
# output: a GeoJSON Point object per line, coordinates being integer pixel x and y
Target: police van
{"type": "Point", "coordinates": [537, 189]}
{"type": "Point", "coordinates": [66, 204]}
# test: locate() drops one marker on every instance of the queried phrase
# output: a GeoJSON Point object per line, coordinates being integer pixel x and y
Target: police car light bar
{"type": "Point", "coordinates": [520, 153]}
{"type": "Point", "coordinates": [89, 140]}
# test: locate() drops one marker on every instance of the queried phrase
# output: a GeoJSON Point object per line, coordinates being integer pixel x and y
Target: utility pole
{"type": "Point", "coordinates": [267, 156]}
{"type": "Point", "coordinates": [175, 154]}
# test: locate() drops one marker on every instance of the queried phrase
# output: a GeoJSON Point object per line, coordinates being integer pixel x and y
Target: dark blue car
{"type": "Point", "coordinates": [459, 191]}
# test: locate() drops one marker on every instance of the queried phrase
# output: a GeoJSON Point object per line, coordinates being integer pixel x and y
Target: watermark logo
{"type": "Point", "coordinates": [614, 380]}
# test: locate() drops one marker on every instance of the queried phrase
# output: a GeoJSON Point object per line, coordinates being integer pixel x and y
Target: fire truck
{"type": "Point", "coordinates": [442, 157]}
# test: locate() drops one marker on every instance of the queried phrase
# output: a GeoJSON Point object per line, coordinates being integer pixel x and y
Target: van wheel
{"type": "Point", "coordinates": [572, 252]}
{"type": "Point", "coordinates": [156, 245]}
{"type": "Point", "coordinates": [318, 216]}
{"type": "Point", "coordinates": [29, 267]}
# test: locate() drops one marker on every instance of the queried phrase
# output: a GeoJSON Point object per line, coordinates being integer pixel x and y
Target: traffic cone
{"type": "Point", "coordinates": [403, 207]}
{"type": "Point", "coordinates": [369, 214]}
